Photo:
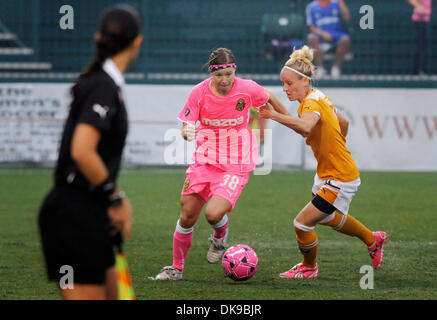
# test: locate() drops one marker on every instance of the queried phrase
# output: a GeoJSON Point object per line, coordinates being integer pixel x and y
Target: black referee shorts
{"type": "Point", "coordinates": [74, 232]}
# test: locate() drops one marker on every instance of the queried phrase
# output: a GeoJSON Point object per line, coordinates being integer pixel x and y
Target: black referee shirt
{"type": "Point", "coordinates": [97, 101]}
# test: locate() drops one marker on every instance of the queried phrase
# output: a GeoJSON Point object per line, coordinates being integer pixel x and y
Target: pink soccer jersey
{"type": "Point", "coordinates": [224, 139]}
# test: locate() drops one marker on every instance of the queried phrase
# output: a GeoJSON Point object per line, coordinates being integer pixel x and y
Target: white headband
{"type": "Point", "coordinates": [299, 73]}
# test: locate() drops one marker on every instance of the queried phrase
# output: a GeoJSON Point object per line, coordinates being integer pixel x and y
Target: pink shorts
{"type": "Point", "coordinates": [207, 180]}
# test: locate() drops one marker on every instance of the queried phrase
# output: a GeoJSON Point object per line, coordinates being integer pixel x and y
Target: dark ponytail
{"type": "Point", "coordinates": [119, 26]}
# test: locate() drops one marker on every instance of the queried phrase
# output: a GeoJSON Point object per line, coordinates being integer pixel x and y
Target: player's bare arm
{"type": "Point", "coordinates": [84, 153]}
{"type": "Point", "coordinates": [302, 125]}
{"type": "Point", "coordinates": [277, 104]}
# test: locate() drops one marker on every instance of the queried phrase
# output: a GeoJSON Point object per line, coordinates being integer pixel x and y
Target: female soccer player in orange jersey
{"type": "Point", "coordinates": [337, 177]}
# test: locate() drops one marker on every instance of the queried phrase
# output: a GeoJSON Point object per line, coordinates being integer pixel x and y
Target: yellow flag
{"type": "Point", "coordinates": [125, 288]}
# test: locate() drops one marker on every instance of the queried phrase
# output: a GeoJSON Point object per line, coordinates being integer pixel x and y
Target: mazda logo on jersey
{"type": "Point", "coordinates": [240, 105]}
{"type": "Point", "coordinates": [223, 122]}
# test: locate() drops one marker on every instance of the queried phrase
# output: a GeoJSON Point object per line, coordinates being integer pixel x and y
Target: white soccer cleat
{"type": "Point", "coordinates": [168, 273]}
{"type": "Point", "coordinates": [216, 249]}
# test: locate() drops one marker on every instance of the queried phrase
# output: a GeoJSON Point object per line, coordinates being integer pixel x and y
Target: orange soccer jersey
{"type": "Point", "coordinates": [334, 160]}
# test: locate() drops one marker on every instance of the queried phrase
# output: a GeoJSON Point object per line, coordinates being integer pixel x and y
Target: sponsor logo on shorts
{"type": "Point", "coordinates": [186, 184]}
{"type": "Point", "coordinates": [240, 105]}
{"type": "Point", "coordinates": [187, 112]}
{"type": "Point", "coordinates": [329, 183]}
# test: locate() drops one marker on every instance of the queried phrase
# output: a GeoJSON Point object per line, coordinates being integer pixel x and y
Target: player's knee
{"type": "Point", "coordinates": [212, 218]}
{"type": "Point", "coordinates": [213, 215]}
{"type": "Point", "coordinates": [187, 218]}
{"type": "Point", "coordinates": [305, 220]}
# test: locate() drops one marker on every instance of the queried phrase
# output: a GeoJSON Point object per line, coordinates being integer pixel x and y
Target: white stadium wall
{"type": "Point", "coordinates": [390, 129]}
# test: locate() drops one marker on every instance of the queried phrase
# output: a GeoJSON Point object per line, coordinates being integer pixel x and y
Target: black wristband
{"type": "Point", "coordinates": [105, 190]}
{"type": "Point", "coordinates": [116, 199]}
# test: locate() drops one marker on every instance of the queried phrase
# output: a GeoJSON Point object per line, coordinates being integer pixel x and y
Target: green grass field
{"type": "Point", "coordinates": [403, 204]}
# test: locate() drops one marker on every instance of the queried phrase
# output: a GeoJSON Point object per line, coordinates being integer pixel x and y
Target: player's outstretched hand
{"type": "Point", "coordinates": [121, 217]}
{"type": "Point", "coordinates": [266, 111]}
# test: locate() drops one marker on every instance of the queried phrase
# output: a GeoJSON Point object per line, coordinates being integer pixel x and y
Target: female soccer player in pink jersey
{"type": "Point", "coordinates": [226, 152]}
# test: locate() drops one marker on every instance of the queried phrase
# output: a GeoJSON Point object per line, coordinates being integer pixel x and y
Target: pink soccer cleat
{"type": "Point", "coordinates": [300, 271]}
{"type": "Point", "coordinates": [376, 250]}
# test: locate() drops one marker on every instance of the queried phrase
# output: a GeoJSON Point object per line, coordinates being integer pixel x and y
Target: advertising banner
{"type": "Point", "coordinates": [390, 129]}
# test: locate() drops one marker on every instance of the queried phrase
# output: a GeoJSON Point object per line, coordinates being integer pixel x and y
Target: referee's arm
{"type": "Point", "coordinates": [84, 153]}
{"type": "Point", "coordinates": [96, 117]}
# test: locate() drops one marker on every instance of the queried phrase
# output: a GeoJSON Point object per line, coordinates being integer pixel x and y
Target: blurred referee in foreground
{"type": "Point", "coordinates": [85, 212]}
